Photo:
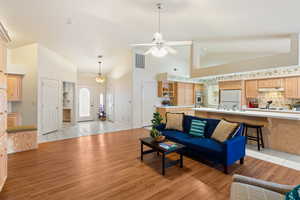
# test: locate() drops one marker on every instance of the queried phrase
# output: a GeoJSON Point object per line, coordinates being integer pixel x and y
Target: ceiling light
{"type": "Point", "coordinates": [100, 78]}
{"type": "Point", "coordinates": [159, 52]}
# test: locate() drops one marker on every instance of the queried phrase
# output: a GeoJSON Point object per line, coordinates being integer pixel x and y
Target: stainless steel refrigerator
{"type": "Point", "coordinates": [230, 99]}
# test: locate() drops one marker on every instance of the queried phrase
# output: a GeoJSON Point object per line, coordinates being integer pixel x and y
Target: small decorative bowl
{"type": "Point", "coordinates": [160, 138]}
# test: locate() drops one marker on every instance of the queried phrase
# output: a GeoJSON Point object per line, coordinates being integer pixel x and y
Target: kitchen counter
{"type": "Point", "coordinates": [272, 110]}
{"type": "Point", "coordinates": [254, 113]}
{"type": "Point", "coordinates": [162, 106]}
{"type": "Point", "coordinates": [280, 129]}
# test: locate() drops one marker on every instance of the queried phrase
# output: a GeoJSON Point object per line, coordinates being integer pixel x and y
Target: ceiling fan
{"type": "Point", "coordinates": [159, 47]}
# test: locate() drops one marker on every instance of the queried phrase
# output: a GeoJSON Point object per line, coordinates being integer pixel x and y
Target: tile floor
{"type": "Point", "coordinates": [83, 129]}
{"type": "Point", "coordinates": [276, 157]}
{"type": "Point", "coordinates": [98, 127]}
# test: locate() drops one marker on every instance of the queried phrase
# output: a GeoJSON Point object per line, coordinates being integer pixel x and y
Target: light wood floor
{"type": "Point", "coordinates": [108, 167]}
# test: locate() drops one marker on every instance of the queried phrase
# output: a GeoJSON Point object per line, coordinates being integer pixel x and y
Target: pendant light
{"type": "Point", "coordinates": [100, 78]}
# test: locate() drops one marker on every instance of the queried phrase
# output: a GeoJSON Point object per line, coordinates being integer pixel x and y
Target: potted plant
{"type": "Point", "coordinates": [154, 133]}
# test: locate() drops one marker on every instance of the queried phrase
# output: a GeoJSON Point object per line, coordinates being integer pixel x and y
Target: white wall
{"type": "Point", "coordinates": [88, 80]}
{"type": "Point", "coordinates": [23, 60]}
{"type": "Point", "coordinates": [120, 82]}
{"type": "Point", "coordinates": [54, 66]}
{"type": "Point", "coordinates": [180, 61]}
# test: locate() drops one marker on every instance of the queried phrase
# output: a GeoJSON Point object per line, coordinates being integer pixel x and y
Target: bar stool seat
{"type": "Point", "coordinates": [258, 138]}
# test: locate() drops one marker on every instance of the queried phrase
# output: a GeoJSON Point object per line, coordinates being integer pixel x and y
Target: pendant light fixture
{"type": "Point", "coordinates": [100, 78]}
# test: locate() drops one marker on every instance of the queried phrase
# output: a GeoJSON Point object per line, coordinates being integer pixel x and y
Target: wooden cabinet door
{"type": "Point", "coordinates": [3, 101]}
{"type": "Point", "coordinates": [13, 119]}
{"type": "Point", "coordinates": [159, 89]}
{"type": "Point", "coordinates": [270, 83]}
{"type": "Point", "coordinates": [3, 124]}
{"type": "Point", "coordinates": [3, 81]}
{"type": "Point", "coordinates": [3, 57]}
{"type": "Point", "coordinates": [230, 85]}
{"type": "Point", "coordinates": [251, 89]}
{"type": "Point", "coordinates": [180, 93]}
{"type": "Point", "coordinates": [14, 87]}
{"type": "Point", "coordinates": [3, 160]}
{"type": "Point", "coordinates": [189, 94]}
{"type": "Point", "coordinates": [291, 88]}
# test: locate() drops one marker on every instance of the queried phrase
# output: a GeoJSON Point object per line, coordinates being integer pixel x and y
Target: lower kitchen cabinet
{"type": "Point", "coordinates": [176, 109]}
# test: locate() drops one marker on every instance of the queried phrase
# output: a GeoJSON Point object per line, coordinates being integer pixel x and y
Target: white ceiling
{"type": "Point", "coordinates": [108, 26]}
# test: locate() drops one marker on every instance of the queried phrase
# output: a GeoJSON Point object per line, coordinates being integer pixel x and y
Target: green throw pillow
{"type": "Point", "coordinates": [294, 194]}
{"type": "Point", "coordinates": [197, 128]}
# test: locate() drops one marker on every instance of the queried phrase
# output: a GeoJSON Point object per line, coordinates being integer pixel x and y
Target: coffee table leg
{"type": "Point", "coordinates": [163, 164]}
{"type": "Point", "coordinates": [181, 160]}
{"type": "Point", "coordinates": [142, 152]}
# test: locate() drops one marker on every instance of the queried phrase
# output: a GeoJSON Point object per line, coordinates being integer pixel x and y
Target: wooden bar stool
{"type": "Point", "coordinates": [258, 138]}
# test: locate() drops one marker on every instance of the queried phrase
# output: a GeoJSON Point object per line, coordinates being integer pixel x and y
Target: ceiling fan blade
{"type": "Point", "coordinates": [143, 45]}
{"type": "Point", "coordinates": [179, 43]}
{"type": "Point", "coordinates": [149, 51]}
{"type": "Point", "coordinates": [170, 49]}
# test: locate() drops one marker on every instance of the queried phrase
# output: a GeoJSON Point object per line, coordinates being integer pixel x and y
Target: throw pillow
{"type": "Point", "coordinates": [294, 194]}
{"type": "Point", "coordinates": [197, 128]}
{"type": "Point", "coordinates": [224, 130]}
{"type": "Point", "coordinates": [174, 121]}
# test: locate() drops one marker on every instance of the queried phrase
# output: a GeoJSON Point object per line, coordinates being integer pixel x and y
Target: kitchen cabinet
{"type": "Point", "coordinates": [292, 87]}
{"type": "Point", "coordinates": [13, 119]}
{"type": "Point", "coordinates": [198, 88]}
{"type": "Point", "coordinates": [14, 87]}
{"type": "Point", "coordinates": [165, 88]}
{"type": "Point", "coordinates": [230, 85]}
{"type": "Point", "coordinates": [3, 112]}
{"type": "Point", "coordinates": [251, 89]}
{"type": "Point", "coordinates": [184, 94]}
{"type": "Point", "coordinates": [270, 83]}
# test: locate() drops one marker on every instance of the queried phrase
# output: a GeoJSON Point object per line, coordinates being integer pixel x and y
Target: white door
{"type": "Point", "coordinates": [149, 101]}
{"type": "Point", "coordinates": [50, 104]}
{"type": "Point", "coordinates": [110, 104]}
{"type": "Point", "coordinates": [85, 104]}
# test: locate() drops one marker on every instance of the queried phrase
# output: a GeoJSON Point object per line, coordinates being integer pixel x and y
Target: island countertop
{"type": "Point", "coordinates": [268, 114]}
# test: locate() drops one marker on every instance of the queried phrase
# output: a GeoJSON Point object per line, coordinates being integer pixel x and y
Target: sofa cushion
{"type": "Point", "coordinates": [198, 143]}
{"type": "Point", "coordinates": [224, 130]}
{"type": "Point", "coordinates": [198, 128]}
{"type": "Point", "coordinates": [174, 121]}
{"type": "Point", "coordinates": [210, 125]}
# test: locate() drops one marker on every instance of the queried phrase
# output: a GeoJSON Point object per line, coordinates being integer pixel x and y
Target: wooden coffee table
{"type": "Point", "coordinates": [156, 148]}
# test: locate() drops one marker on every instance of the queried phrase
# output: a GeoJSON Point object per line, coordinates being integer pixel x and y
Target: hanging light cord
{"type": "Point", "coordinates": [100, 63]}
{"type": "Point", "coordinates": [159, 8]}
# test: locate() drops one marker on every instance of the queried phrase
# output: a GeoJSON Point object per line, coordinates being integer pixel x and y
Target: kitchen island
{"type": "Point", "coordinates": [187, 110]}
{"type": "Point", "coordinates": [281, 129]}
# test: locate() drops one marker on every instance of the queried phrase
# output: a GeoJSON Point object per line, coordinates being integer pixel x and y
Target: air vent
{"type": "Point", "coordinates": [140, 61]}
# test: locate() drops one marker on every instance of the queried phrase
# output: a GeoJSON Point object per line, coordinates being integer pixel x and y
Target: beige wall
{"type": "Point", "coordinates": [24, 60]}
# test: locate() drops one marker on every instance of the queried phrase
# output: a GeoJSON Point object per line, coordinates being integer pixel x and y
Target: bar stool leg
{"type": "Point", "coordinates": [262, 139]}
{"type": "Point", "coordinates": [258, 139]}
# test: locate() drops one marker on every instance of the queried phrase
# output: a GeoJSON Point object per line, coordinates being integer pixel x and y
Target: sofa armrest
{"type": "Point", "coordinates": [235, 149]}
{"type": "Point", "coordinates": [275, 187]}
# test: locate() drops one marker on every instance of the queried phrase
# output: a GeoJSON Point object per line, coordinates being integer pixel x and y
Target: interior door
{"type": "Point", "coordinates": [50, 104]}
{"type": "Point", "coordinates": [85, 104]}
{"type": "Point", "coordinates": [149, 101]}
{"type": "Point", "coordinates": [110, 104]}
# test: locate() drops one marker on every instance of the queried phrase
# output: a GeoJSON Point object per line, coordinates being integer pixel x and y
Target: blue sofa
{"type": "Point", "coordinates": [226, 153]}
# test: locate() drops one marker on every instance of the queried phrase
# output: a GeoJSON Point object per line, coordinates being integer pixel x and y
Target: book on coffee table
{"type": "Point", "coordinates": [168, 145]}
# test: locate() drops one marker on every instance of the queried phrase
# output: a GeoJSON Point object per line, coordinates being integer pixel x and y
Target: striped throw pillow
{"type": "Point", "coordinates": [197, 128]}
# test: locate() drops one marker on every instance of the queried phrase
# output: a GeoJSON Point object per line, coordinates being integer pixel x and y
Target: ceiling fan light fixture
{"type": "Point", "coordinates": [159, 52]}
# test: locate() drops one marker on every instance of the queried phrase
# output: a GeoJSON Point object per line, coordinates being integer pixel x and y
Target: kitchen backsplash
{"type": "Point", "coordinates": [277, 97]}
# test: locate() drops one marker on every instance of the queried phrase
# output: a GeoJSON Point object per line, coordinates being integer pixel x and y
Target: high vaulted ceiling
{"type": "Point", "coordinates": [82, 29]}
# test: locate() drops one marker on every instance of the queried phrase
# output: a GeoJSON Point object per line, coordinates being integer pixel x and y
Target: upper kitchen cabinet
{"type": "Point", "coordinates": [14, 87]}
{"type": "Point", "coordinates": [230, 85]}
{"type": "Point", "coordinates": [184, 94]}
{"type": "Point", "coordinates": [3, 57]}
{"type": "Point", "coordinates": [165, 88]}
{"type": "Point", "coordinates": [292, 88]}
{"type": "Point", "coordinates": [271, 83]}
{"type": "Point", "coordinates": [251, 89]}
